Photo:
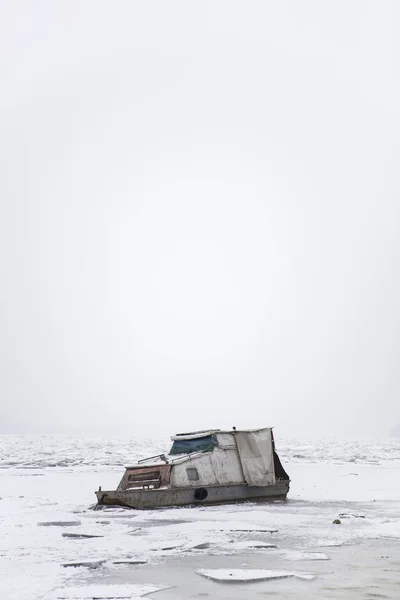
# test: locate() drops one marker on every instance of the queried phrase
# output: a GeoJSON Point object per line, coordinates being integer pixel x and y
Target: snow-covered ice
{"type": "Point", "coordinates": [299, 555]}
{"type": "Point", "coordinates": [46, 521]}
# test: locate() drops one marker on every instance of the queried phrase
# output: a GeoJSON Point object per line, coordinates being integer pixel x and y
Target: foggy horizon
{"type": "Point", "coordinates": [199, 213]}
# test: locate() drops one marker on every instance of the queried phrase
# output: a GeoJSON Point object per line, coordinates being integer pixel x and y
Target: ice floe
{"type": "Point", "coordinates": [60, 524]}
{"type": "Point", "coordinates": [80, 536]}
{"type": "Point", "coordinates": [90, 564]}
{"type": "Point", "coordinates": [129, 562]}
{"type": "Point", "coordinates": [249, 545]}
{"type": "Point", "coordinates": [167, 545]}
{"type": "Point", "coordinates": [104, 592]}
{"type": "Point", "coordinates": [249, 575]}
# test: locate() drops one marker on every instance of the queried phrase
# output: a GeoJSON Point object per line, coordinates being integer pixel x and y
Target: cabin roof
{"type": "Point", "coordinates": [191, 435]}
{"type": "Point", "coordinates": [170, 459]}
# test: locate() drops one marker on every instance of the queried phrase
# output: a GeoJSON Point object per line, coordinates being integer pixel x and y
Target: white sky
{"type": "Point", "coordinates": [199, 216]}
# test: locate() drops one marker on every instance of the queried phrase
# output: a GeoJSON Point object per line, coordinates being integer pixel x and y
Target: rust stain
{"type": "Point", "coordinates": [145, 477]}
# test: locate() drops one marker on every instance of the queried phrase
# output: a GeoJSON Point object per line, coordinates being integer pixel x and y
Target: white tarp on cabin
{"type": "Point", "coordinates": [255, 452]}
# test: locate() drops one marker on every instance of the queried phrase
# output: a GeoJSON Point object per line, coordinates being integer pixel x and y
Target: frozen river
{"type": "Point", "coordinates": [47, 488]}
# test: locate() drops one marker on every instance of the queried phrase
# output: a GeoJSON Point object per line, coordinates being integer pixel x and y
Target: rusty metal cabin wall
{"type": "Point", "coordinates": [164, 471]}
{"type": "Point", "coordinates": [219, 467]}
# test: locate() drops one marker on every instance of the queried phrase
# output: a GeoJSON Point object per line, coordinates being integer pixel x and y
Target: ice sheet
{"type": "Point", "coordinates": [40, 452]}
{"type": "Point", "coordinates": [33, 492]}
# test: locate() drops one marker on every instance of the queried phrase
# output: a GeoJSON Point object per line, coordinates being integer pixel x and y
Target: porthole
{"type": "Point", "coordinates": [201, 494]}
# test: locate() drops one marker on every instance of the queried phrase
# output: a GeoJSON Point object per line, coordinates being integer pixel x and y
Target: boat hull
{"type": "Point", "coordinates": [190, 496]}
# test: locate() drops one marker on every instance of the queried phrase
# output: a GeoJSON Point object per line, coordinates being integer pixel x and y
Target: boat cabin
{"type": "Point", "coordinates": [210, 458]}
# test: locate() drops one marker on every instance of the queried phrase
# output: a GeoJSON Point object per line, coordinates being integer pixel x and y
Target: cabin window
{"type": "Point", "coordinates": [145, 478]}
{"type": "Point", "coordinates": [193, 474]}
{"type": "Point", "coordinates": [203, 444]}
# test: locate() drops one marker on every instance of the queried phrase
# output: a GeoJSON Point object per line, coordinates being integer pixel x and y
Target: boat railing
{"type": "Point", "coordinates": [162, 456]}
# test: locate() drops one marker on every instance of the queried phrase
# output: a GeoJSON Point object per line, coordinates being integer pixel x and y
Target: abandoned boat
{"type": "Point", "coordinates": [204, 467]}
